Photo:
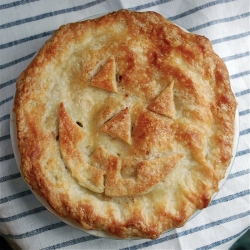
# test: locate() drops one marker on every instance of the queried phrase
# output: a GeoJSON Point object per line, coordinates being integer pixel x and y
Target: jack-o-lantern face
{"type": "Point", "coordinates": [145, 129]}
{"type": "Point", "coordinates": [125, 123]}
{"type": "Point", "coordinates": [150, 132]}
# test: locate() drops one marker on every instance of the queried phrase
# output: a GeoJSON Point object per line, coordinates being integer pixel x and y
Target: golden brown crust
{"type": "Point", "coordinates": [125, 123]}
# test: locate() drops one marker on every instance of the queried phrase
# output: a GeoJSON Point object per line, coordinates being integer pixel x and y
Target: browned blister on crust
{"type": "Point", "coordinates": [125, 123]}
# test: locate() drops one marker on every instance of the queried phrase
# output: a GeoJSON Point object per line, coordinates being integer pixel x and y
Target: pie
{"type": "Point", "coordinates": [125, 123]}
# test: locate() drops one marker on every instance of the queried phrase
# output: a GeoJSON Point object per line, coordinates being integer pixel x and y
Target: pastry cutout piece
{"type": "Point", "coordinates": [106, 77]}
{"type": "Point", "coordinates": [119, 126]}
{"type": "Point", "coordinates": [102, 158]}
{"type": "Point", "coordinates": [149, 173]}
{"type": "Point", "coordinates": [164, 103]}
{"type": "Point", "coordinates": [70, 135]}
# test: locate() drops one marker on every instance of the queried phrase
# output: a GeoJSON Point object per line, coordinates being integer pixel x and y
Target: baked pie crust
{"type": "Point", "coordinates": [125, 123]}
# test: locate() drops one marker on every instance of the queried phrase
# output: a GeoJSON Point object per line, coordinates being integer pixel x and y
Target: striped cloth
{"type": "Point", "coordinates": [26, 24]}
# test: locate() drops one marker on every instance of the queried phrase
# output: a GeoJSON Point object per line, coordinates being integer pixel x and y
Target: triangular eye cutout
{"type": "Point", "coordinates": [164, 103]}
{"type": "Point", "coordinates": [106, 77]}
{"type": "Point", "coordinates": [119, 126]}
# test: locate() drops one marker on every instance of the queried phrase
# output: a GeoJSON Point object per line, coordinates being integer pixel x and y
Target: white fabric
{"type": "Point", "coordinates": [24, 27]}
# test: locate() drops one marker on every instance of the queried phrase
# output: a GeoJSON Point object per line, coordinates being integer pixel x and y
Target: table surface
{"type": "Point", "coordinates": [24, 27]}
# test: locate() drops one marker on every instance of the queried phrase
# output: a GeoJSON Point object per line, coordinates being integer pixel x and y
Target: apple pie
{"type": "Point", "coordinates": [125, 123]}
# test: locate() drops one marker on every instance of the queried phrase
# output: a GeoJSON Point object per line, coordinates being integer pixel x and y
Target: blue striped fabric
{"type": "Point", "coordinates": [49, 14]}
{"type": "Point", "coordinates": [15, 4]}
{"type": "Point", "coordinates": [26, 24]}
{"type": "Point", "coordinates": [218, 243]}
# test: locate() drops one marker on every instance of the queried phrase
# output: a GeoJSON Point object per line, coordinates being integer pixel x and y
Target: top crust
{"type": "Point", "coordinates": [125, 123]}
